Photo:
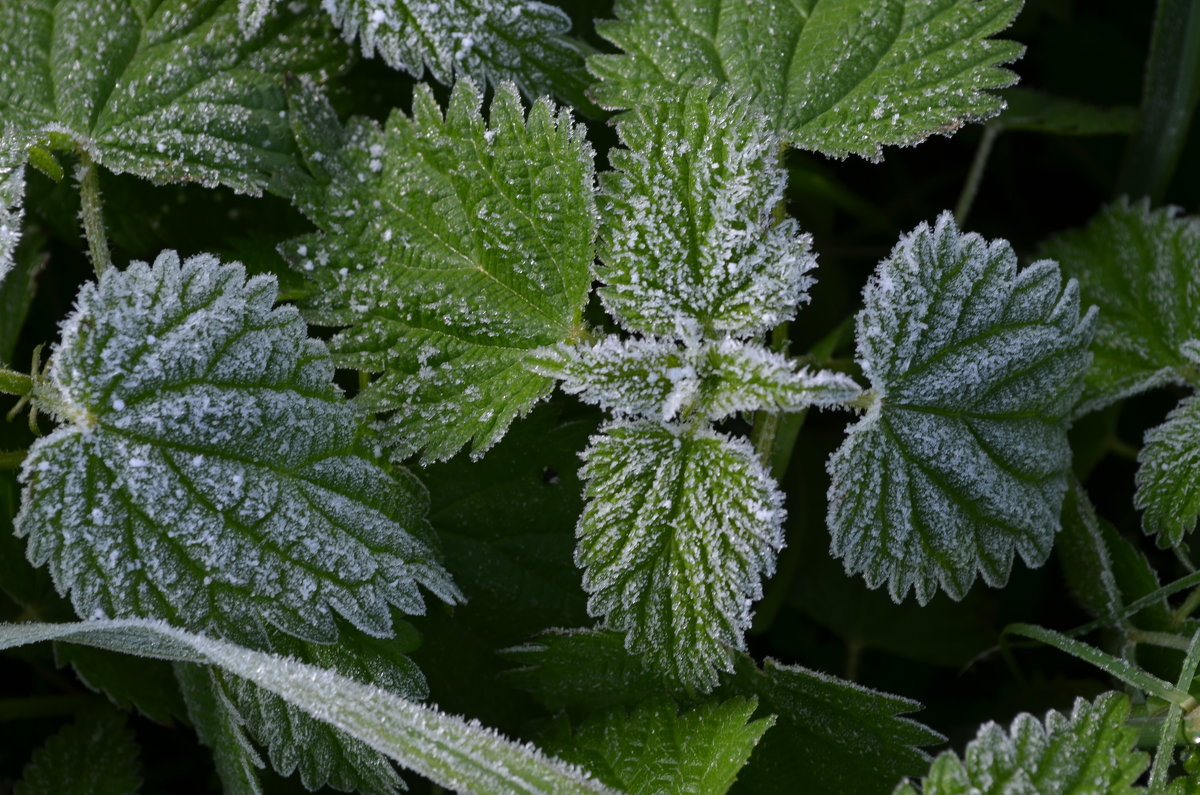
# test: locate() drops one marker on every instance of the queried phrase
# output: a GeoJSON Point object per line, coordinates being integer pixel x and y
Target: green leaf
{"type": "Point", "coordinates": [12, 193]}
{"type": "Point", "coordinates": [148, 686]}
{"type": "Point", "coordinates": [655, 749]}
{"type": "Point", "coordinates": [494, 40]}
{"type": "Point", "coordinates": [1091, 750]}
{"type": "Point", "coordinates": [1140, 267]}
{"type": "Point", "coordinates": [452, 248]}
{"type": "Point", "coordinates": [690, 246]}
{"type": "Point", "coordinates": [1168, 476]}
{"type": "Point", "coordinates": [168, 90]}
{"type": "Point", "coordinates": [96, 755]}
{"type": "Point", "coordinates": [206, 470]}
{"type": "Point", "coordinates": [680, 527]}
{"type": "Point", "coordinates": [451, 751]}
{"type": "Point", "coordinates": [219, 726]}
{"type": "Point", "coordinates": [963, 458]}
{"type": "Point", "coordinates": [838, 76]}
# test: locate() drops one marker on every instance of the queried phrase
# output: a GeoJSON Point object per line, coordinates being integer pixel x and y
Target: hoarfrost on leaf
{"type": "Point", "coordinates": [963, 458]}
{"type": "Point", "coordinates": [489, 40]}
{"type": "Point", "coordinates": [12, 193]}
{"type": "Point", "coordinates": [1090, 750]}
{"type": "Point", "coordinates": [837, 76]}
{"type": "Point", "coordinates": [451, 249]}
{"type": "Point", "coordinates": [691, 247]}
{"type": "Point", "coordinates": [207, 469]}
{"type": "Point", "coordinates": [169, 91]}
{"type": "Point", "coordinates": [1168, 476]}
{"type": "Point", "coordinates": [680, 527]}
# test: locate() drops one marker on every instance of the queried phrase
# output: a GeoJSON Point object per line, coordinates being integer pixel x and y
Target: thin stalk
{"type": "Point", "coordinates": [92, 212]}
{"type": "Point", "coordinates": [14, 383]}
{"type": "Point", "coordinates": [765, 432]}
{"type": "Point", "coordinates": [1166, 640]}
{"type": "Point", "coordinates": [1121, 448]}
{"type": "Point", "coordinates": [1166, 741]}
{"type": "Point", "coordinates": [1185, 610]}
{"type": "Point", "coordinates": [975, 175]}
{"type": "Point", "coordinates": [11, 459]}
{"type": "Point", "coordinates": [1170, 90]}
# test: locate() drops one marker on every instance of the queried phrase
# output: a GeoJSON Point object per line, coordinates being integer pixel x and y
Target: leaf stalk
{"type": "Point", "coordinates": [92, 213]}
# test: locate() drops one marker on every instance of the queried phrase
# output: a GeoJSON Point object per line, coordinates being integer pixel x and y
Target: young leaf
{"type": "Point", "coordinates": [654, 749]}
{"type": "Point", "coordinates": [690, 247]}
{"type": "Point", "coordinates": [206, 469]}
{"type": "Point", "coordinates": [169, 91]}
{"type": "Point", "coordinates": [219, 726]}
{"type": "Point", "coordinates": [963, 458]}
{"type": "Point", "coordinates": [96, 755]}
{"type": "Point", "coordinates": [681, 525]}
{"type": "Point", "coordinates": [838, 77]}
{"type": "Point", "coordinates": [452, 248]}
{"type": "Point", "coordinates": [1168, 476]}
{"type": "Point", "coordinates": [659, 379]}
{"type": "Point", "coordinates": [1092, 750]}
{"type": "Point", "coordinates": [12, 192]}
{"type": "Point", "coordinates": [1141, 267]}
{"type": "Point", "coordinates": [451, 751]}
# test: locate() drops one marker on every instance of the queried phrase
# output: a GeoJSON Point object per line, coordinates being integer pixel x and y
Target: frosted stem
{"type": "Point", "coordinates": [975, 175]}
{"type": "Point", "coordinates": [14, 383]}
{"type": "Point", "coordinates": [92, 212]}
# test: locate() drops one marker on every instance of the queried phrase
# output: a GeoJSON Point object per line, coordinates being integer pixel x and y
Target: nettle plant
{"type": "Point", "coordinates": [214, 516]}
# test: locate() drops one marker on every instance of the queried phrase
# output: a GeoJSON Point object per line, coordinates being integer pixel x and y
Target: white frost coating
{"type": "Point", "coordinates": [1168, 476]}
{"type": "Point", "coordinates": [517, 40]}
{"type": "Point", "coordinates": [692, 248]}
{"type": "Point", "coordinates": [680, 527]}
{"type": "Point", "coordinates": [963, 458]}
{"type": "Point", "coordinates": [454, 752]}
{"type": "Point", "coordinates": [12, 192]}
{"type": "Point", "coordinates": [1090, 750]}
{"type": "Point", "coordinates": [469, 248]}
{"type": "Point", "coordinates": [227, 493]}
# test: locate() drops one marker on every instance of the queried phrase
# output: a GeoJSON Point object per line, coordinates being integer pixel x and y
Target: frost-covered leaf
{"type": "Point", "coordinates": [660, 379]}
{"type": "Point", "coordinates": [1091, 750]}
{"type": "Point", "coordinates": [522, 41]}
{"type": "Point", "coordinates": [168, 90]}
{"type": "Point", "coordinates": [655, 749]}
{"type": "Point", "coordinates": [146, 685]}
{"type": "Point", "coordinates": [96, 755]}
{"type": "Point", "coordinates": [691, 248]}
{"type": "Point", "coordinates": [1168, 478]}
{"type": "Point", "coordinates": [1141, 267]}
{"type": "Point", "coordinates": [451, 751]}
{"type": "Point", "coordinates": [963, 458]}
{"type": "Point", "coordinates": [680, 527]}
{"type": "Point", "coordinates": [206, 470]}
{"type": "Point", "coordinates": [12, 193]}
{"type": "Point", "coordinates": [452, 248]}
{"type": "Point", "coordinates": [836, 76]}
{"type": "Point", "coordinates": [218, 726]}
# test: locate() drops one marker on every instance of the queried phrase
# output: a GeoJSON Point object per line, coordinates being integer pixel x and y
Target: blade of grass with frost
{"type": "Point", "coordinates": [12, 192]}
{"type": "Point", "coordinates": [170, 91]}
{"type": "Point", "coordinates": [680, 527]}
{"type": "Point", "coordinates": [453, 752]}
{"type": "Point", "coordinates": [1090, 750]}
{"type": "Point", "coordinates": [690, 246]}
{"type": "Point", "coordinates": [451, 249]}
{"type": "Point", "coordinates": [838, 77]}
{"type": "Point", "coordinates": [962, 459]}
{"type": "Point", "coordinates": [520, 41]}
{"type": "Point", "coordinates": [207, 469]}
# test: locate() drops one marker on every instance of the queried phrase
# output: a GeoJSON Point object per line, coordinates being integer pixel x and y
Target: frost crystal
{"type": "Point", "coordinates": [838, 76]}
{"type": "Point", "coordinates": [1091, 750]}
{"type": "Point", "coordinates": [12, 192]}
{"type": "Point", "coordinates": [173, 93]}
{"type": "Point", "coordinates": [691, 247]}
{"type": "Point", "coordinates": [452, 249]}
{"type": "Point", "coordinates": [681, 525]}
{"type": "Point", "coordinates": [206, 470]}
{"type": "Point", "coordinates": [963, 458]}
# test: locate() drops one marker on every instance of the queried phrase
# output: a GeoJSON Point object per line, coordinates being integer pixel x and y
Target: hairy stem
{"type": "Point", "coordinates": [765, 433]}
{"type": "Point", "coordinates": [1166, 640]}
{"type": "Point", "coordinates": [14, 383]}
{"type": "Point", "coordinates": [92, 212]}
{"type": "Point", "coordinates": [1185, 610]}
{"type": "Point", "coordinates": [975, 175]}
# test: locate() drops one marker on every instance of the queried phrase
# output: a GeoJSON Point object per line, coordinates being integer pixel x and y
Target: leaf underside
{"type": "Point", "coordinates": [451, 249]}
{"type": "Point", "coordinates": [207, 471]}
{"type": "Point", "coordinates": [963, 458]}
{"type": "Point", "coordinates": [839, 77]}
{"type": "Point", "coordinates": [164, 89]}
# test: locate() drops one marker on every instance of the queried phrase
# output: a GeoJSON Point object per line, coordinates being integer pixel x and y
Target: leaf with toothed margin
{"type": "Point", "coordinates": [451, 248]}
{"type": "Point", "coordinates": [207, 469]}
{"type": "Point", "coordinates": [839, 77]}
{"type": "Point", "coordinates": [690, 246]}
{"type": "Point", "coordinates": [1168, 476]}
{"type": "Point", "coordinates": [168, 90]}
{"type": "Point", "coordinates": [97, 755]}
{"type": "Point", "coordinates": [681, 525]}
{"type": "Point", "coordinates": [962, 460]}
{"type": "Point", "coordinates": [12, 193]}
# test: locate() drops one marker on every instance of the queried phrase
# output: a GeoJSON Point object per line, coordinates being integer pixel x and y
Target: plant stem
{"type": "Point", "coordinates": [1121, 448]}
{"type": "Point", "coordinates": [1170, 90]}
{"type": "Point", "coordinates": [1185, 610]}
{"type": "Point", "coordinates": [92, 212]}
{"type": "Point", "coordinates": [1166, 640]}
{"type": "Point", "coordinates": [766, 423]}
{"type": "Point", "coordinates": [11, 459]}
{"type": "Point", "coordinates": [975, 175]}
{"type": "Point", "coordinates": [14, 383]}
